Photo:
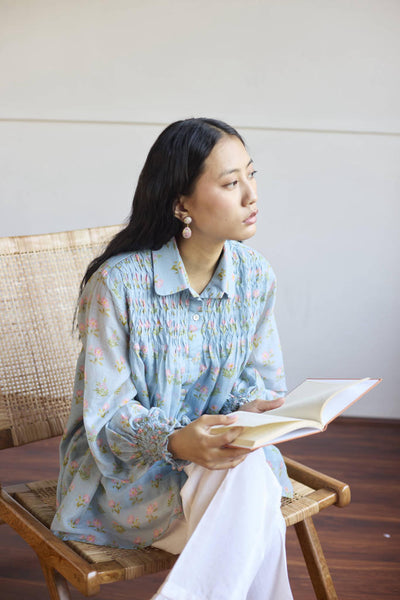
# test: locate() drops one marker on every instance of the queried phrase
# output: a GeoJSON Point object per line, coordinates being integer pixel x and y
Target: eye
{"type": "Point", "coordinates": [231, 184]}
{"type": "Point", "coordinates": [252, 174]}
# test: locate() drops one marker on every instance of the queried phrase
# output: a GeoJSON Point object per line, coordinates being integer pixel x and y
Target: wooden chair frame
{"type": "Point", "coordinates": [36, 271]}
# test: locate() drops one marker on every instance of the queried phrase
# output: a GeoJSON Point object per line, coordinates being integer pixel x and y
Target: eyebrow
{"type": "Point", "coordinates": [229, 171]}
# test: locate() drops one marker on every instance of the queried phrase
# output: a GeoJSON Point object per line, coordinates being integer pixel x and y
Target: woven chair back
{"type": "Point", "coordinates": [39, 284]}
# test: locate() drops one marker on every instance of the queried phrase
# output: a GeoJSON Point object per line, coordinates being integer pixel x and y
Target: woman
{"type": "Point", "coordinates": [177, 328]}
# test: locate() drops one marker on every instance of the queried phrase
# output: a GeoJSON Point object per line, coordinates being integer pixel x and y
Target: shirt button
{"type": "Point", "coordinates": [196, 317]}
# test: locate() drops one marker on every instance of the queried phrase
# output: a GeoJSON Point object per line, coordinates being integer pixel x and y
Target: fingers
{"type": "Point", "coordinates": [260, 406]}
{"type": "Point", "coordinates": [276, 403]}
{"type": "Point", "coordinates": [211, 420]}
{"type": "Point", "coordinates": [218, 440]}
{"type": "Point", "coordinates": [231, 464]}
{"type": "Point", "coordinates": [198, 444]}
{"type": "Point", "coordinates": [225, 458]}
{"type": "Point", "coordinates": [218, 452]}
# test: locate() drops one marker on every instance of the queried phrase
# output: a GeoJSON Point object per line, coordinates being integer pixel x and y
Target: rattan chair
{"type": "Point", "coordinates": [39, 279]}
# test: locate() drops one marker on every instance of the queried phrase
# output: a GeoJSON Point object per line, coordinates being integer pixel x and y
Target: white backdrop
{"type": "Point", "coordinates": [314, 88]}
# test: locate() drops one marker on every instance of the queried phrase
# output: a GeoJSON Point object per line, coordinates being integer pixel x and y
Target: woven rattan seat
{"type": "Point", "coordinates": [39, 279]}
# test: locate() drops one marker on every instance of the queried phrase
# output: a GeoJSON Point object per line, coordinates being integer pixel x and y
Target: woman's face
{"type": "Point", "coordinates": [223, 203]}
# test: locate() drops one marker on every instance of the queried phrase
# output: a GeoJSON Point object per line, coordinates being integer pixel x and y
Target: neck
{"type": "Point", "coordinates": [200, 262]}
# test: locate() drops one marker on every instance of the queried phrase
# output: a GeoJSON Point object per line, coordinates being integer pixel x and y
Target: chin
{"type": "Point", "coordinates": [249, 234]}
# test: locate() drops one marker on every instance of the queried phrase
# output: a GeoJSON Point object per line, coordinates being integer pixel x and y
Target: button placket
{"type": "Point", "coordinates": [195, 337]}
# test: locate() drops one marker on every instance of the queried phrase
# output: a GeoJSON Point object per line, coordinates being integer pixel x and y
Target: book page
{"type": "Point", "coordinates": [255, 436]}
{"type": "Point", "coordinates": [308, 399]}
{"type": "Point", "coordinates": [336, 405]}
{"type": "Point", "coordinates": [250, 419]}
{"type": "Point", "coordinates": [282, 436]}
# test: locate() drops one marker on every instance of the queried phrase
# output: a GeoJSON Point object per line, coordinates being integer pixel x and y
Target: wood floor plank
{"type": "Point", "coordinates": [361, 542]}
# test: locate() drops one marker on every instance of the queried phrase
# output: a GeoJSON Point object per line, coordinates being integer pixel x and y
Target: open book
{"type": "Point", "coordinates": [308, 409]}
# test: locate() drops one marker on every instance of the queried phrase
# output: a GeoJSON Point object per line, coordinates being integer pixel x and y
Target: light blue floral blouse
{"type": "Point", "coordinates": [155, 356]}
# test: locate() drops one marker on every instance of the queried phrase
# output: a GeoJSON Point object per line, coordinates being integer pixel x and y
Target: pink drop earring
{"type": "Point", "coordinates": [187, 232]}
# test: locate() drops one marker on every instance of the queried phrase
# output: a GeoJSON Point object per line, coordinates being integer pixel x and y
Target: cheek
{"type": "Point", "coordinates": [219, 207]}
{"type": "Point", "coordinates": [225, 214]}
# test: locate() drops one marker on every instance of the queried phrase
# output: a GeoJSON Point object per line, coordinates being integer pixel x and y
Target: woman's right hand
{"type": "Point", "coordinates": [197, 444]}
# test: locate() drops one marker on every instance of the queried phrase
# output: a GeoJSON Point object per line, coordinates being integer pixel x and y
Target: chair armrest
{"type": "Point", "coordinates": [48, 547]}
{"type": "Point", "coordinates": [317, 480]}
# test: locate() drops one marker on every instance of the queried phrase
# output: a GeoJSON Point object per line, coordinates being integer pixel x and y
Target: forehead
{"type": "Point", "coordinates": [228, 154]}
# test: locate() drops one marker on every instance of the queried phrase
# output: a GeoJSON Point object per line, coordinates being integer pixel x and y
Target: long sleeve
{"type": "Point", "coordinates": [266, 358]}
{"type": "Point", "coordinates": [122, 432]}
{"type": "Point", "coordinates": [263, 375]}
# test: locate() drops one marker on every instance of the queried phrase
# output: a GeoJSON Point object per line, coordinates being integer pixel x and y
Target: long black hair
{"type": "Point", "coordinates": [172, 167]}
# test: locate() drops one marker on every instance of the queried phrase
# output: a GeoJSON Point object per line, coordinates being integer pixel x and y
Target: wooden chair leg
{"type": "Point", "coordinates": [56, 583]}
{"type": "Point", "coordinates": [315, 560]}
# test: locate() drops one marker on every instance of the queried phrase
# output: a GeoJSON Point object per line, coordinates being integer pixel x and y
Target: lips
{"type": "Point", "coordinates": [252, 218]}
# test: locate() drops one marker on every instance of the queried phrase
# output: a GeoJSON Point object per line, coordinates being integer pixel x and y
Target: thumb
{"type": "Point", "coordinates": [211, 420]}
{"type": "Point", "coordinates": [264, 405]}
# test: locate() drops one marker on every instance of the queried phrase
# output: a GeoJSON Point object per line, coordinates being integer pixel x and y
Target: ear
{"type": "Point", "coordinates": [180, 211]}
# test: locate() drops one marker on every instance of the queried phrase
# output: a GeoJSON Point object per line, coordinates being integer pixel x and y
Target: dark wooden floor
{"type": "Point", "coordinates": [361, 541]}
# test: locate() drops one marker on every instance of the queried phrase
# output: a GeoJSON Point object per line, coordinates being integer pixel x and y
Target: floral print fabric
{"type": "Point", "coordinates": [155, 356]}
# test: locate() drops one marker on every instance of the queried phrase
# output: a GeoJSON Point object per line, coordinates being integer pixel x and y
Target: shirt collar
{"type": "Point", "coordinates": [170, 276]}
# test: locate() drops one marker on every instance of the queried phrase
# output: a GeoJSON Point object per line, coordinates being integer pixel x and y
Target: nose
{"type": "Point", "coordinates": [249, 194]}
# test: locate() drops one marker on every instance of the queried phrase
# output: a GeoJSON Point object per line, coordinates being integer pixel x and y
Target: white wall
{"type": "Point", "coordinates": [313, 85]}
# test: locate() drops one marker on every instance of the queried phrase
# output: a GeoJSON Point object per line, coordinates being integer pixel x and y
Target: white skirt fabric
{"type": "Point", "coordinates": [232, 539]}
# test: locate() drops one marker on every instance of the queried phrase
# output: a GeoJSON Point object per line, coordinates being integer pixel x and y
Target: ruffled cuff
{"type": "Point", "coordinates": [233, 404]}
{"type": "Point", "coordinates": [151, 440]}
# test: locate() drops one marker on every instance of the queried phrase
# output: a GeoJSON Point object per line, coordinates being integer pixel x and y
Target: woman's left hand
{"type": "Point", "coordinates": [260, 406]}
